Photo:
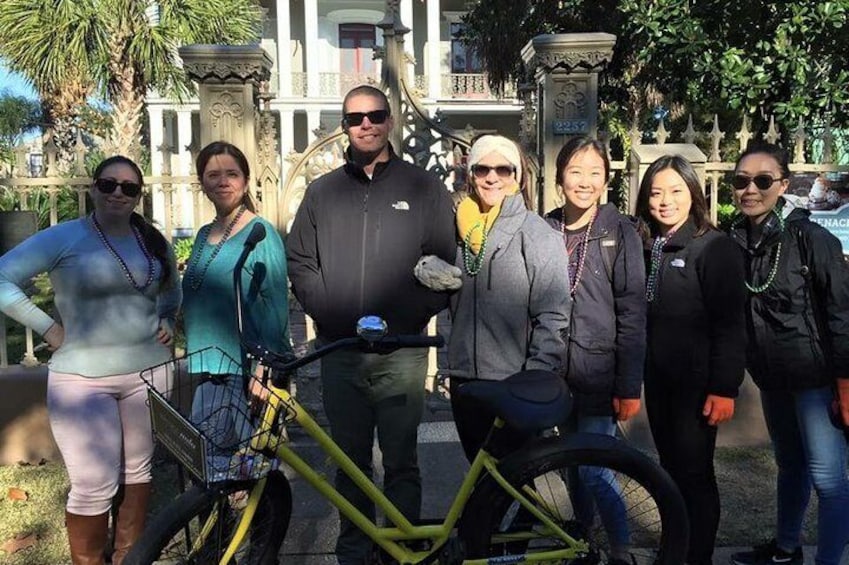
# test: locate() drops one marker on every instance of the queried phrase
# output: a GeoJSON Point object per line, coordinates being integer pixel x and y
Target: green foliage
{"type": "Point", "coordinates": [39, 201]}
{"type": "Point", "coordinates": [18, 116]}
{"type": "Point", "coordinates": [41, 292]}
{"type": "Point", "coordinates": [182, 251]}
{"type": "Point", "coordinates": [757, 58]}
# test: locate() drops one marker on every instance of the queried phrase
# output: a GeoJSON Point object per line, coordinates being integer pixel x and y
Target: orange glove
{"type": "Point", "coordinates": [718, 409]}
{"type": "Point", "coordinates": [625, 408]}
{"type": "Point", "coordinates": [843, 400]}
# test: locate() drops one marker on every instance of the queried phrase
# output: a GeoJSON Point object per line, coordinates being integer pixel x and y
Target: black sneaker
{"type": "Point", "coordinates": [768, 554]}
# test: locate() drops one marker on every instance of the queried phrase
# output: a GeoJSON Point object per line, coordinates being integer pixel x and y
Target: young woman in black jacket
{"type": "Point", "coordinates": [798, 354]}
{"type": "Point", "coordinates": [606, 348]}
{"type": "Point", "coordinates": [696, 338]}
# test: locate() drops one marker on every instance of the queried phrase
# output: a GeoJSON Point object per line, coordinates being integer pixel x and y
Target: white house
{"type": "Point", "coordinates": [322, 48]}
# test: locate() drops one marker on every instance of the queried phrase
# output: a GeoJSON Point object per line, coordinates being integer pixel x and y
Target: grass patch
{"type": "Point", "coordinates": [746, 477]}
{"type": "Point", "coordinates": [43, 513]}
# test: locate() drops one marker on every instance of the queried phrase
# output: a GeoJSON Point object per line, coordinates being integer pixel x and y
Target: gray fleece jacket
{"type": "Point", "coordinates": [514, 314]}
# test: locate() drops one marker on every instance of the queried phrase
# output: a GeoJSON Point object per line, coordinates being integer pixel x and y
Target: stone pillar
{"type": "Point", "coordinates": [229, 79]}
{"type": "Point", "coordinates": [157, 140]}
{"type": "Point", "coordinates": [284, 49]}
{"type": "Point", "coordinates": [313, 57]}
{"type": "Point", "coordinates": [406, 10]}
{"type": "Point", "coordinates": [394, 68]}
{"type": "Point", "coordinates": [566, 67]}
{"type": "Point", "coordinates": [434, 51]}
{"type": "Point", "coordinates": [313, 125]}
{"type": "Point", "coordinates": [184, 156]}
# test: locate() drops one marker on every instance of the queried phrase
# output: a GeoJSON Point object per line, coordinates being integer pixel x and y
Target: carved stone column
{"type": "Point", "coordinates": [229, 81]}
{"type": "Point", "coordinates": [394, 68]}
{"type": "Point", "coordinates": [565, 68]}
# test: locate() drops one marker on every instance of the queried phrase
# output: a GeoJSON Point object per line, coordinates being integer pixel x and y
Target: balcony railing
{"type": "Point", "coordinates": [473, 86]}
{"type": "Point", "coordinates": [453, 86]}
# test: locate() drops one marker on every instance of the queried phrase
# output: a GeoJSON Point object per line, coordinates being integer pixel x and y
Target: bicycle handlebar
{"type": "Point", "coordinates": [284, 365]}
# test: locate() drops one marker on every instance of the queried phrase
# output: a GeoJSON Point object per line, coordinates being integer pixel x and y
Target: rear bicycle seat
{"type": "Point", "coordinates": [528, 401]}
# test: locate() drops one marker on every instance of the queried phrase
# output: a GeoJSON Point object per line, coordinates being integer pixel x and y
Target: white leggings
{"type": "Point", "coordinates": [102, 428]}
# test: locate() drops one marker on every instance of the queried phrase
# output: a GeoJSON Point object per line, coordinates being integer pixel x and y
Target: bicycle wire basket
{"type": "Point", "coordinates": [201, 414]}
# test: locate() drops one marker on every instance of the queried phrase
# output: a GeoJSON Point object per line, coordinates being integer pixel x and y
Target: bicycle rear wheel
{"type": "Point", "coordinates": [196, 528]}
{"type": "Point", "coordinates": [597, 489]}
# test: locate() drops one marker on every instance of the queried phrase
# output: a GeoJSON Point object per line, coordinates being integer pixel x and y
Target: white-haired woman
{"type": "Point", "coordinates": [512, 311]}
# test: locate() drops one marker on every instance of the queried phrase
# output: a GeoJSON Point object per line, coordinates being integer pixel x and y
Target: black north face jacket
{"type": "Point", "coordinates": [697, 332]}
{"type": "Point", "coordinates": [355, 241]}
{"type": "Point", "coordinates": [799, 326]}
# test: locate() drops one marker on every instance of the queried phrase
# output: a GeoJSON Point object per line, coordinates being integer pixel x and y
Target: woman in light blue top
{"type": "Point", "coordinates": [116, 292]}
{"type": "Point", "coordinates": [219, 406]}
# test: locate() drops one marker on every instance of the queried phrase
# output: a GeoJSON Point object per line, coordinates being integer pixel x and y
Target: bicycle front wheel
{"type": "Point", "coordinates": [604, 494]}
{"type": "Point", "coordinates": [197, 527]}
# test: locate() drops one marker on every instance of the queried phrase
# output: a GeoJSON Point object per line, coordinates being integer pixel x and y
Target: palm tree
{"type": "Point", "coordinates": [142, 39]}
{"type": "Point", "coordinates": [117, 49]}
{"type": "Point", "coordinates": [52, 43]}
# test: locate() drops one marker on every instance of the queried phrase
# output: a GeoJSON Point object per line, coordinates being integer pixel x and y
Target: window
{"type": "Point", "coordinates": [463, 59]}
{"type": "Point", "coordinates": [356, 44]}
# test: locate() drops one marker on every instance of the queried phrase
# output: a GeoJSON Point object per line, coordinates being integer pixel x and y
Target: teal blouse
{"type": "Point", "coordinates": [209, 303]}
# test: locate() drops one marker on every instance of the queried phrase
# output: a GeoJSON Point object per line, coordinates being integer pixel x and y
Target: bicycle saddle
{"type": "Point", "coordinates": [527, 401]}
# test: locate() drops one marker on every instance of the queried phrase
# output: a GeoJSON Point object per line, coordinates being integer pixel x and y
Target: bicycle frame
{"type": "Point", "coordinates": [402, 529]}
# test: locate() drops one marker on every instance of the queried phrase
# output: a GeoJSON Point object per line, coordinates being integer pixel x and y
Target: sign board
{"type": "Point", "coordinates": [570, 127]}
{"type": "Point", "coordinates": [178, 435]}
{"type": "Point", "coordinates": [827, 198]}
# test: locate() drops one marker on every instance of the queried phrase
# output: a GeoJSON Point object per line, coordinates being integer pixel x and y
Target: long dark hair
{"type": "Point", "coordinates": [698, 208]}
{"type": "Point", "coordinates": [226, 148]}
{"type": "Point", "coordinates": [153, 240]}
{"type": "Point", "coordinates": [781, 156]}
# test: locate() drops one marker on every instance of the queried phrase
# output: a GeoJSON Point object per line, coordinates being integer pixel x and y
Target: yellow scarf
{"type": "Point", "coordinates": [473, 225]}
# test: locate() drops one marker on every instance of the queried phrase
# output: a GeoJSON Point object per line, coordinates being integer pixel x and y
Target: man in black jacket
{"type": "Point", "coordinates": [352, 250]}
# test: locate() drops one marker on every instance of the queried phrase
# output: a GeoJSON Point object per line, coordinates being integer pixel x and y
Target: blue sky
{"type": "Point", "coordinates": [14, 83]}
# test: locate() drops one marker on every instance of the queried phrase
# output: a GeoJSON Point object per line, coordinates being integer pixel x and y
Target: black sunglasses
{"type": "Point", "coordinates": [356, 118]}
{"type": "Point", "coordinates": [763, 182]}
{"type": "Point", "coordinates": [482, 171]}
{"type": "Point", "coordinates": [108, 186]}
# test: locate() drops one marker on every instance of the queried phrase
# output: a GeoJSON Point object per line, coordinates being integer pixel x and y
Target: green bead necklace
{"type": "Point", "coordinates": [472, 262]}
{"type": "Point", "coordinates": [773, 270]}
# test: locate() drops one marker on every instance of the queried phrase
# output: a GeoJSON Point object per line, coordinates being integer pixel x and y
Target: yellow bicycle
{"type": "Point", "coordinates": [525, 507]}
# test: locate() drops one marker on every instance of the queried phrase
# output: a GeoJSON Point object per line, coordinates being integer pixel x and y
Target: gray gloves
{"type": "Point", "coordinates": [438, 275]}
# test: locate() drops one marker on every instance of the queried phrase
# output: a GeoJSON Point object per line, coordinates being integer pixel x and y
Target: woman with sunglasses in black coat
{"type": "Point", "coordinates": [798, 354]}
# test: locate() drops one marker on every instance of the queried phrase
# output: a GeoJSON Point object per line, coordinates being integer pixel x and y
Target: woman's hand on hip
{"type": "Point", "coordinates": [625, 408]}
{"type": "Point", "coordinates": [55, 336]}
{"type": "Point", "coordinates": [165, 333]}
{"type": "Point", "coordinates": [718, 409]}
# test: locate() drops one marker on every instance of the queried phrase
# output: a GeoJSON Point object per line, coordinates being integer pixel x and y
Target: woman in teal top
{"type": "Point", "coordinates": [209, 309]}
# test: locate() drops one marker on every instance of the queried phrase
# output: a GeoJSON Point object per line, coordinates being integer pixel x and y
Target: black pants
{"type": "Point", "coordinates": [474, 422]}
{"type": "Point", "coordinates": [686, 443]}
